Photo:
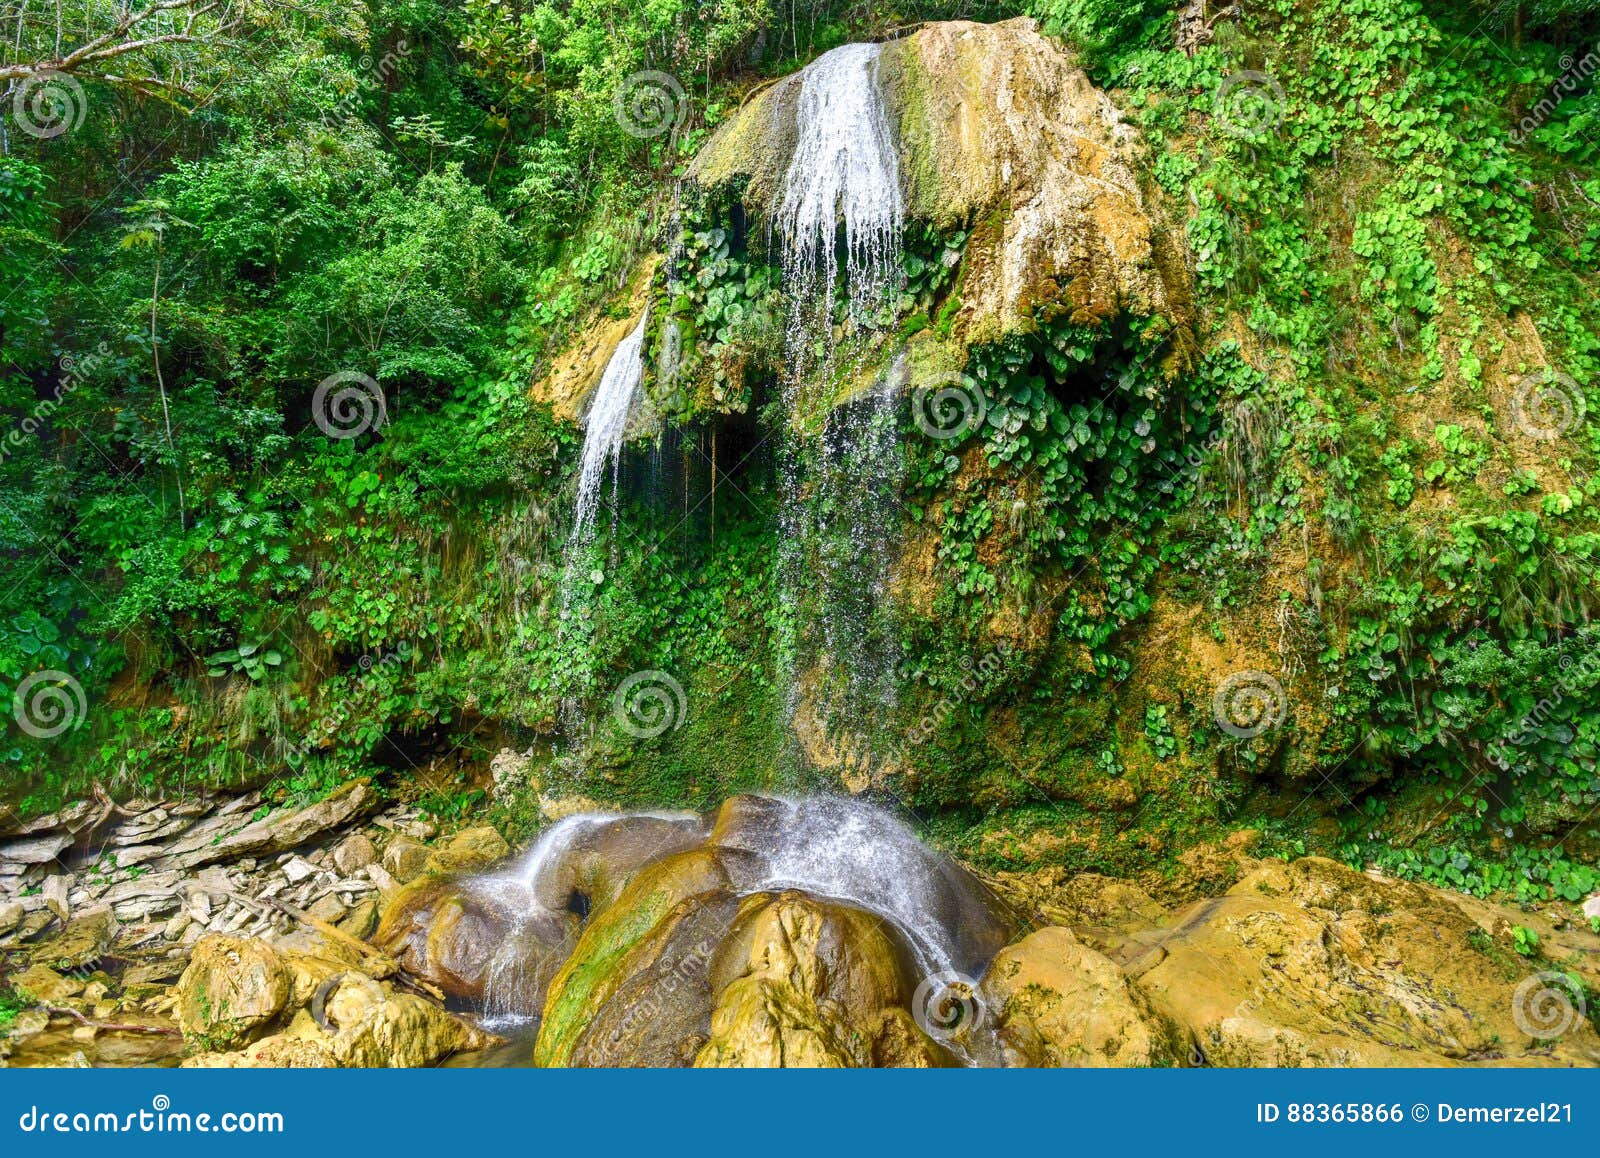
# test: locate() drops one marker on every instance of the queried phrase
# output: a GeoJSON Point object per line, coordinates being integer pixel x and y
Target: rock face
{"type": "Point", "coordinates": [1313, 963]}
{"type": "Point", "coordinates": [1000, 132]}
{"type": "Point", "coordinates": [1309, 963]}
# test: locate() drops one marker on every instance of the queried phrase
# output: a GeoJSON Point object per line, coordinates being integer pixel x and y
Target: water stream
{"type": "Point", "coordinates": [840, 463]}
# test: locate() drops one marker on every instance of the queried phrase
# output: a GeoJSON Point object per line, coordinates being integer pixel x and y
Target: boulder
{"type": "Point", "coordinates": [45, 985]}
{"type": "Point", "coordinates": [1053, 1001]}
{"type": "Point", "coordinates": [368, 1024]}
{"type": "Point", "coordinates": [232, 988]}
{"type": "Point", "coordinates": [623, 941]}
{"type": "Point", "coordinates": [406, 859]}
{"type": "Point", "coordinates": [85, 940]}
{"type": "Point", "coordinates": [590, 870]}
{"type": "Point", "coordinates": [800, 982]}
{"type": "Point", "coordinates": [454, 932]}
{"type": "Point", "coordinates": [353, 854]}
{"type": "Point", "coordinates": [470, 850]}
{"type": "Point", "coordinates": [1312, 963]}
{"type": "Point", "coordinates": [11, 914]}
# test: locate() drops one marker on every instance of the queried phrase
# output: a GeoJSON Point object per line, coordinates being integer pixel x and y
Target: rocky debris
{"type": "Point", "coordinates": [11, 914]}
{"type": "Point", "coordinates": [1591, 907]}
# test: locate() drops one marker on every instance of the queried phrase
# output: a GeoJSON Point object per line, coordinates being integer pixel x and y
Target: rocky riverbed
{"type": "Point", "coordinates": [216, 932]}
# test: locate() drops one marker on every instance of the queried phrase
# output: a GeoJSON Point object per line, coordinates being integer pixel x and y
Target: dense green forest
{"type": "Point", "coordinates": [285, 490]}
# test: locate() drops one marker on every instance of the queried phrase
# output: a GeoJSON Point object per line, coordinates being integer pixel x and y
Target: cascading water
{"type": "Point", "coordinates": [844, 166]}
{"type": "Point", "coordinates": [614, 403]}
{"type": "Point", "coordinates": [612, 407]}
{"type": "Point", "coordinates": [840, 463]}
{"type": "Point", "coordinates": [834, 849]}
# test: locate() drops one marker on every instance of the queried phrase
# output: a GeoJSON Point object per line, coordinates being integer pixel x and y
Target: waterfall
{"type": "Point", "coordinates": [613, 404]}
{"type": "Point", "coordinates": [830, 848]}
{"type": "Point", "coordinates": [840, 464]}
{"type": "Point", "coordinates": [844, 165]}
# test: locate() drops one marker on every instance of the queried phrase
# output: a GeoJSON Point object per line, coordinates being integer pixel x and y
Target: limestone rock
{"type": "Point", "coordinates": [56, 888]}
{"type": "Point", "coordinates": [232, 987]}
{"type": "Point", "coordinates": [1001, 132]}
{"type": "Point", "coordinates": [470, 850]}
{"type": "Point", "coordinates": [806, 983]}
{"type": "Point", "coordinates": [616, 959]}
{"type": "Point", "coordinates": [82, 943]}
{"type": "Point", "coordinates": [36, 849]}
{"type": "Point", "coordinates": [283, 832]}
{"type": "Point", "coordinates": [45, 985]}
{"type": "Point", "coordinates": [11, 914]}
{"type": "Point", "coordinates": [355, 853]}
{"type": "Point", "coordinates": [406, 859]}
{"type": "Point", "coordinates": [450, 933]}
{"type": "Point", "coordinates": [1056, 1002]}
{"type": "Point", "coordinates": [1312, 963]}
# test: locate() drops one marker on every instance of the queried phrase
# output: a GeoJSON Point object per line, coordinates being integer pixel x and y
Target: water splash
{"type": "Point", "coordinates": [614, 403]}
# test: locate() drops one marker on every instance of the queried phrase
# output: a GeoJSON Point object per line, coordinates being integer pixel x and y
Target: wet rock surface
{"type": "Point", "coordinates": [769, 932]}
